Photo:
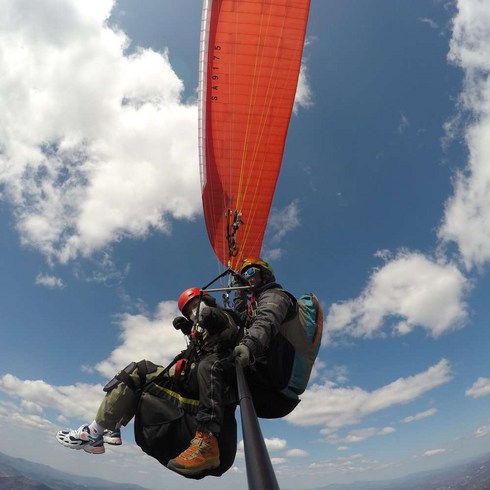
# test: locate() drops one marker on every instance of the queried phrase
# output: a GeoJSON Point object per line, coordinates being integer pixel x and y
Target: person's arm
{"type": "Point", "coordinates": [272, 310]}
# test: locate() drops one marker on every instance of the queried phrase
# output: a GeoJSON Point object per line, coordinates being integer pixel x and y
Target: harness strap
{"type": "Point", "coordinates": [143, 368]}
{"type": "Point", "coordinates": [125, 378]}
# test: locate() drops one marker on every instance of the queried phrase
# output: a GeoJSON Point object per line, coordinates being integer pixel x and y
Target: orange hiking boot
{"type": "Point", "coordinates": [202, 454]}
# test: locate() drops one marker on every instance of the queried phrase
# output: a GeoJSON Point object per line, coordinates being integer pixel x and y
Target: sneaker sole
{"type": "Point", "coordinates": [71, 445]}
{"type": "Point", "coordinates": [192, 471]}
{"type": "Point", "coordinates": [112, 442]}
{"type": "Point", "coordinates": [94, 450]}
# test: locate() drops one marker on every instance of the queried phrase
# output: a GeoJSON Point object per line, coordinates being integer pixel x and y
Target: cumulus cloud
{"type": "Point", "coordinates": [48, 281]}
{"type": "Point", "coordinates": [304, 96]}
{"type": "Point", "coordinates": [31, 421]}
{"type": "Point", "coordinates": [420, 416]}
{"type": "Point", "coordinates": [355, 464]}
{"type": "Point", "coordinates": [338, 374]}
{"type": "Point", "coordinates": [335, 407]}
{"type": "Point", "coordinates": [357, 435]}
{"type": "Point", "coordinates": [412, 290]}
{"type": "Point", "coordinates": [278, 460]}
{"type": "Point", "coordinates": [481, 387]}
{"type": "Point", "coordinates": [78, 401]}
{"type": "Point", "coordinates": [351, 465]}
{"type": "Point", "coordinates": [297, 453]}
{"type": "Point", "coordinates": [25, 414]}
{"type": "Point", "coordinates": [94, 140]}
{"type": "Point", "coordinates": [466, 220]}
{"type": "Point", "coordinates": [275, 444]}
{"type": "Point", "coordinates": [30, 407]}
{"type": "Point", "coordinates": [142, 337]}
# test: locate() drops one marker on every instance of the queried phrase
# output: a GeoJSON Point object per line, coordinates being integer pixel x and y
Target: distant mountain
{"type": "Point", "coordinates": [20, 474]}
{"type": "Point", "coordinates": [473, 475]}
{"type": "Point", "coordinates": [21, 483]}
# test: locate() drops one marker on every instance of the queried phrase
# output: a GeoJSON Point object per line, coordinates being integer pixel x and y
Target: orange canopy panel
{"type": "Point", "coordinates": [249, 66]}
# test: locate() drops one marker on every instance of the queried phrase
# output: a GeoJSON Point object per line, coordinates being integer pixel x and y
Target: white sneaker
{"type": "Point", "coordinates": [113, 437]}
{"type": "Point", "coordinates": [81, 439]}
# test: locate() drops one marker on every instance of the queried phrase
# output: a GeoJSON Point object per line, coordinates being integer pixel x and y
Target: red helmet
{"type": "Point", "coordinates": [187, 295]}
{"type": "Point", "coordinates": [192, 293]}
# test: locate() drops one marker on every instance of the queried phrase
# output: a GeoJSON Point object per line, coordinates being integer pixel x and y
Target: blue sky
{"type": "Point", "coordinates": [382, 209]}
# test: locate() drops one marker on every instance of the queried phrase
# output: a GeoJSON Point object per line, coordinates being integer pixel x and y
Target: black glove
{"type": "Point", "coordinates": [243, 355]}
{"type": "Point", "coordinates": [212, 320]}
{"type": "Point", "coordinates": [183, 324]}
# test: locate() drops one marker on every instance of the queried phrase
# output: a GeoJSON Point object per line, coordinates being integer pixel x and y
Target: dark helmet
{"type": "Point", "coordinates": [265, 268]}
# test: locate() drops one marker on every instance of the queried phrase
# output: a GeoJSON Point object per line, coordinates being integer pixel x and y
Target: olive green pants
{"type": "Point", "coordinates": [120, 404]}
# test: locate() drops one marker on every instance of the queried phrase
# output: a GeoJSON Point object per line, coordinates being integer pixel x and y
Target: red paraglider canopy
{"type": "Point", "coordinates": [250, 61]}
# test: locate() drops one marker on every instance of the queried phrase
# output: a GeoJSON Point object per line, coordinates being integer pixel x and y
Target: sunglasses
{"type": "Point", "coordinates": [250, 272]}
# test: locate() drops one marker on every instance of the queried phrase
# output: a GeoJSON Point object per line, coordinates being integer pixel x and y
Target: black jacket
{"type": "Point", "coordinates": [222, 328]}
{"type": "Point", "coordinates": [271, 306]}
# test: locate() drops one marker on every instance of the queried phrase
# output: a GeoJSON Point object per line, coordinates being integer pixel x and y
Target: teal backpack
{"type": "Point", "coordinates": [304, 332]}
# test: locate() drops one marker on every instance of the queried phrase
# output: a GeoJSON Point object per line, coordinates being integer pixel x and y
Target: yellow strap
{"type": "Point", "coordinates": [181, 399]}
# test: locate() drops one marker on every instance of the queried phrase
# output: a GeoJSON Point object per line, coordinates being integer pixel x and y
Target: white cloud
{"type": "Point", "coordinates": [482, 431]}
{"type": "Point", "coordinates": [403, 124]}
{"type": "Point", "coordinates": [420, 416]}
{"type": "Point", "coordinates": [433, 24]}
{"type": "Point", "coordinates": [481, 387]}
{"type": "Point", "coordinates": [412, 290]}
{"type": "Point", "coordinates": [334, 407]}
{"type": "Point", "coordinates": [51, 282]}
{"type": "Point", "coordinates": [31, 421]}
{"type": "Point", "coordinates": [337, 373]}
{"type": "Point", "coordinates": [93, 141]}
{"type": "Point", "coordinates": [319, 370]}
{"type": "Point", "coordinates": [30, 407]}
{"type": "Point", "coordinates": [282, 221]}
{"type": "Point", "coordinates": [7, 408]}
{"type": "Point", "coordinates": [434, 452]}
{"type": "Point", "coordinates": [101, 269]}
{"type": "Point", "coordinates": [275, 444]}
{"type": "Point", "coordinates": [79, 401]}
{"type": "Point", "coordinates": [272, 254]}
{"type": "Point", "coordinates": [152, 338]}
{"type": "Point", "coordinates": [297, 453]}
{"type": "Point", "coordinates": [358, 435]}
{"type": "Point", "coordinates": [304, 96]}
{"type": "Point", "coordinates": [278, 460]}
{"type": "Point", "coordinates": [352, 465]}
{"type": "Point", "coordinates": [466, 220]}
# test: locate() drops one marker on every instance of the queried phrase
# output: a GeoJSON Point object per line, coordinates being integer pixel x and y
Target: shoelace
{"type": "Point", "coordinates": [201, 443]}
{"type": "Point", "coordinates": [78, 432]}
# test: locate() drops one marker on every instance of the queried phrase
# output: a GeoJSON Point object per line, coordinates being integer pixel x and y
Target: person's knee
{"type": "Point", "coordinates": [126, 376]}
